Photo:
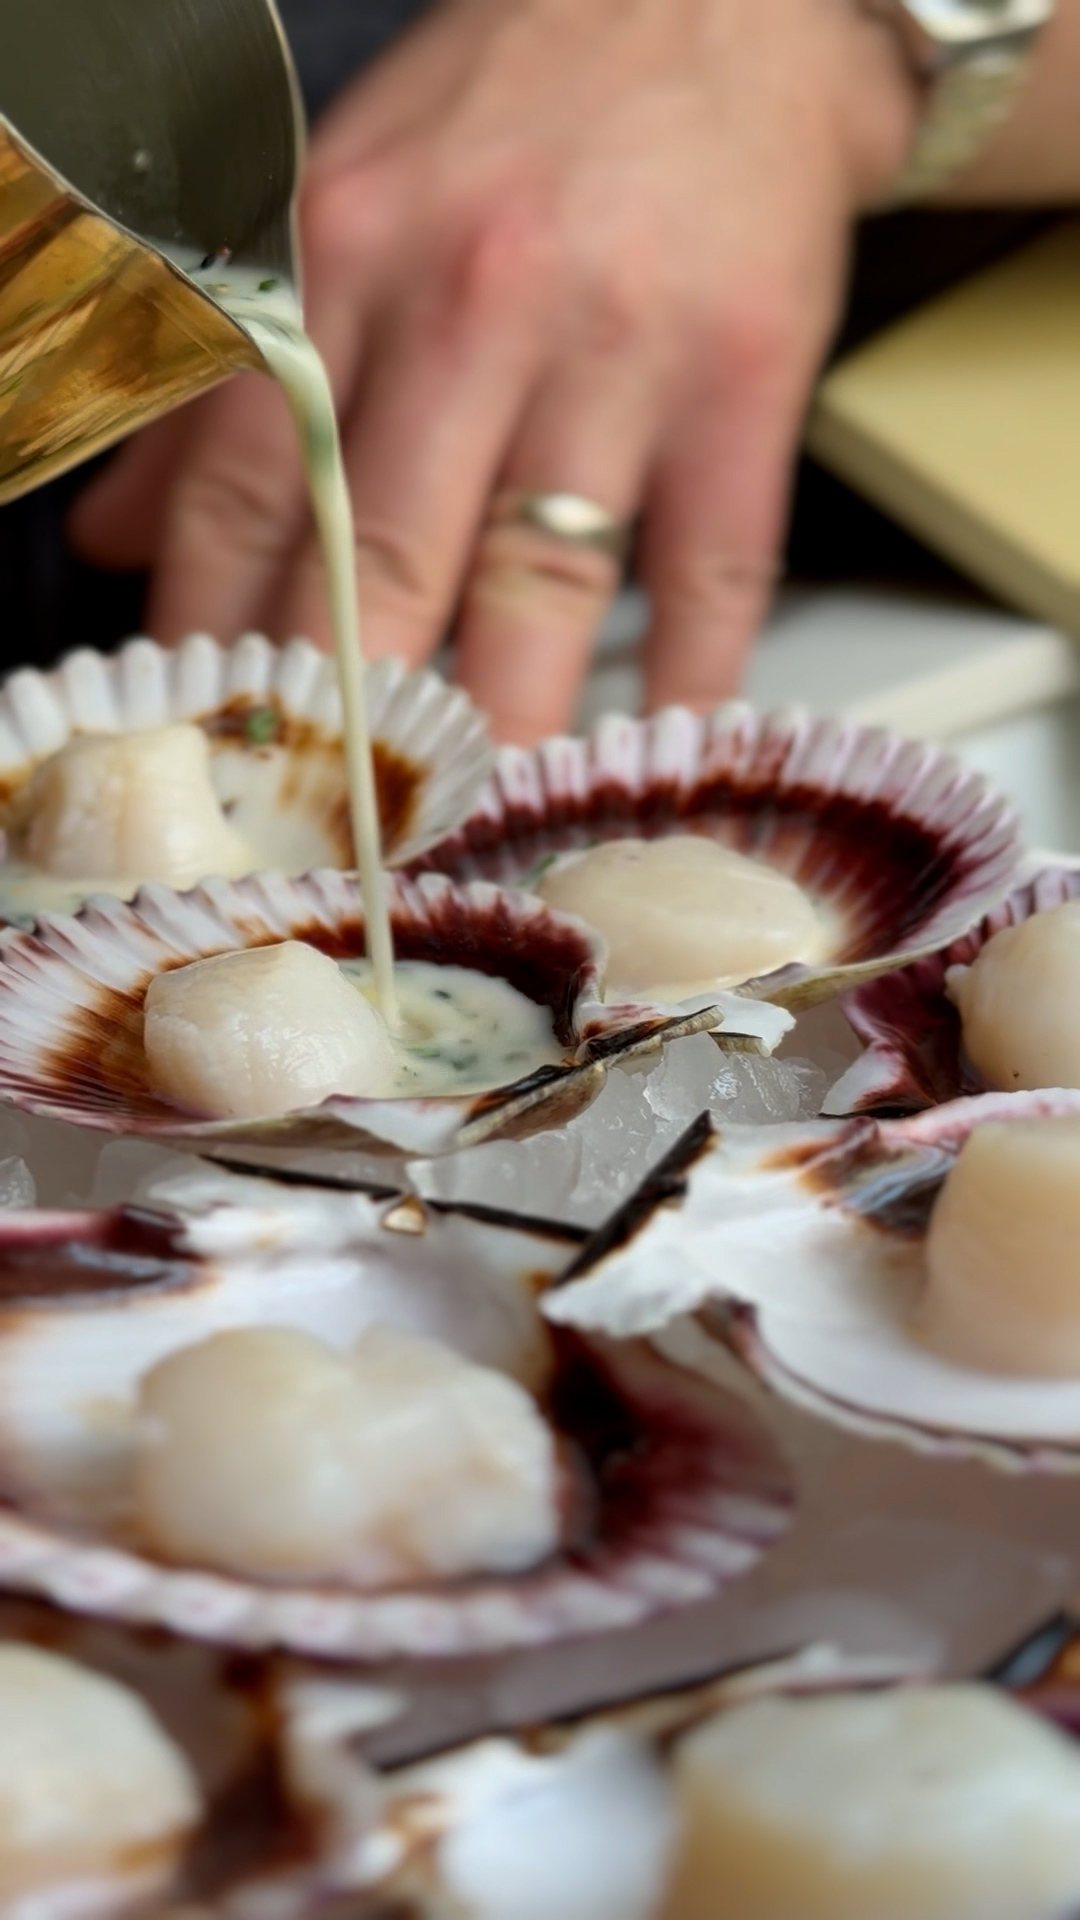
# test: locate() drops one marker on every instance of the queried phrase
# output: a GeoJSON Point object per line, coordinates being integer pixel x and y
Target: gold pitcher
{"type": "Point", "coordinates": [141, 142]}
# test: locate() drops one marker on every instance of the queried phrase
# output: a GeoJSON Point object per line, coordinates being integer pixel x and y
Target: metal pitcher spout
{"type": "Point", "coordinates": [139, 142]}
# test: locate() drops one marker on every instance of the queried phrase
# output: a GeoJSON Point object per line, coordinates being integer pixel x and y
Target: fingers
{"type": "Point", "coordinates": [239, 498]}
{"type": "Point", "coordinates": [426, 434]}
{"type": "Point", "coordinates": [534, 601]}
{"type": "Point", "coordinates": [715, 517]}
{"type": "Point", "coordinates": [233, 510]}
{"type": "Point", "coordinates": [117, 521]}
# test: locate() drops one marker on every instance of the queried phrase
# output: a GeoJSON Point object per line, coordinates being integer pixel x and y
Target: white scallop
{"type": "Point", "coordinates": [265, 1452]}
{"type": "Point", "coordinates": [1019, 1003]}
{"type": "Point", "coordinates": [92, 1791]}
{"type": "Point", "coordinates": [683, 913]}
{"type": "Point", "coordinates": [1002, 1288]}
{"type": "Point", "coordinates": [946, 1803]}
{"type": "Point", "coordinates": [263, 1031]}
{"type": "Point", "coordinates": [118, 809]}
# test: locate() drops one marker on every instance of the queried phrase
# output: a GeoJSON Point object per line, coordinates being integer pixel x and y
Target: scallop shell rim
{"type": "Point", "coordinates": [738, 1323]}
{"type": "Point", "coordinates": [714, 1535]}
{"type": "Point", "coordinates": [657, 761]}
{"type": "Point", "coordinates": [115, 945]}
{"type": "Point", "coordinates": [143, 684]}
{"type": "Point", "coordinates": [884, 1075]}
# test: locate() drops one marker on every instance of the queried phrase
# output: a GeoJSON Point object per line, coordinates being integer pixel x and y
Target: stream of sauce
{"type": "Point", "coordinates": [270, 314]}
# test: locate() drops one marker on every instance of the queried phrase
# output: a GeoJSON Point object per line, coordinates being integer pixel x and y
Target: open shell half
{"type": "Point", "coordinates": [273, 719]}
{"type": "Point", "coordinates": [267, 1741]}
{"type": "Point", "coordinates": [677, 1488]}
{"type": "Point", "coordinates": [900, 846]}
{"type": "Point", "coordinates": [583, 1812]}
{"type": "Point", "coordinates": [90, 1301]}
{"type": "Point", "coordinates": [914, 1054]}
{"type": "Point", "coordinates": [802, 1248]}
{"type": "Point", "coordinates": [72, 993]}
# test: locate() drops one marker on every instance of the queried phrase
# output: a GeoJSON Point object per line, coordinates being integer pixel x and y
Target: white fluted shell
{"type": "Point", "coordinates": [272, 717]}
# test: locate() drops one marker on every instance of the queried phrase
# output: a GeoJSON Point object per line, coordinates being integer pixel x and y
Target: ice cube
{"type": "Point", "coordinates": [581, 1172]}
{"type": "Point", "coordinates": [823, 1036]}
{"type": "Point", "coordinates": [17, 1187]}
{"type": "Point", "coordinates": [128, 1170]}
{"type": "Point", "coordinates": [536, 1176]}
{"type": "Point", "coordinates": [752, 1091]}
{"type": "Point", "coordinates": [62, 1159]}
{"type": "Point", "coordinates": [622, 1136]}
{"type": "Point", "coordinates": [680, 1085]}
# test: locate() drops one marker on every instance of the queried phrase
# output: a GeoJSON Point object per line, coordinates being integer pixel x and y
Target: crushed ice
{"type": "Point", "coordinates": [577, 1173]}
{"type": "Point", "coordinates": [49, 1163]}
{"type": "Point", "coordinates": [580, 1172]}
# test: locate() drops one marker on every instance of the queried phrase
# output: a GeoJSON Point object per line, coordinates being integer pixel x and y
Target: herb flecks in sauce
{"type": "Point", "coordinates": [461, 1031]}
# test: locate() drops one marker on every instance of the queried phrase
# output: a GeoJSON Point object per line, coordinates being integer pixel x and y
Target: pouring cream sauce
{"type": "Point", "coordinates": [270, 314]}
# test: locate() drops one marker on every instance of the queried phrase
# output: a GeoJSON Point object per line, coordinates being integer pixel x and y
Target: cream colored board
{"type": "Point", "coordinates": [961, 421]}
{"type": "Point", "coordinates": [924, 665]}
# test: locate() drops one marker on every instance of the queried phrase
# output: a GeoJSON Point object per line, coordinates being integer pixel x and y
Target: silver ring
{"type": "Point", "coordinates": [569, 517]}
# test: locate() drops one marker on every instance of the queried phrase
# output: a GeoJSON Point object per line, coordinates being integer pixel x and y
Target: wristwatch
{"type": "Point", "coordinates": [970, 57]}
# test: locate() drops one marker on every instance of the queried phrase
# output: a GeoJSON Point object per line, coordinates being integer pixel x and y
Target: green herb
{"type": "Point", "coordinates": [267, 286]}
{"type": "Point", "coordinates": [260, 726]}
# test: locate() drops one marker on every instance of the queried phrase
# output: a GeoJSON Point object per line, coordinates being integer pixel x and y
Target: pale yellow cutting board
{"type": "Point", "coordinates": [963, 422]}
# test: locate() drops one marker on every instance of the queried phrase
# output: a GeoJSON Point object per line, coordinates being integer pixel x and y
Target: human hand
{"type": "Point", "coordinates": [588, 246]}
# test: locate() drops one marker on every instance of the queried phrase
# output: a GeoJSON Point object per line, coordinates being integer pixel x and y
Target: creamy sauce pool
{"type": "Point", "coordinates": [459, 1031]}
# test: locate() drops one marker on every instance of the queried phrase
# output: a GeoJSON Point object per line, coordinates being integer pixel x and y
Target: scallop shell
{"type": "Point", "coordinates": [72, 991]}
{"type": "Point", "coordinates": [801, 1247]}
{"type": "Point", "coordinates": [583, 1806]}
{"type": "Point", "coordinates": [903, 846]}
{"type": "Point", "coordinates": [686, 1489]}
{"type": "Point", "coordinates": [914, 1055]}
{"type": "Point", "coordinates": [90, 1301]}
{"type": "Point", "coordinates": [273, 718]}
{"type": "Point", "coordinates": [268, 1740]}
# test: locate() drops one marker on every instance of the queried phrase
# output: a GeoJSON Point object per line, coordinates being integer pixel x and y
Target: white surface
{"type": "Point", "coordinates": [1003, 690]}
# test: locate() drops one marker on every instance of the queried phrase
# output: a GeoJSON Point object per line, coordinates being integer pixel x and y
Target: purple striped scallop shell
{"type": "Point", "coordinates": [903, 844]}
{"type": "Point", "coordinates": [680, 1488]}
{"type": "Point", "coordinates": [72, 992]}
{"type": "Point", "coordinates": [269, 1742]}
{"type": "Point", "coordinates": [801, 1248]}
{"type": "Point", "coordinates": [914, 1054]}
{"type": "Point", "coordinates": [273, 719]}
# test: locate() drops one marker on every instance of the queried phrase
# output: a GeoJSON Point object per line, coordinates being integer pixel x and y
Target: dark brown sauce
{"type": "Point", "coordinates": [259, 725]}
